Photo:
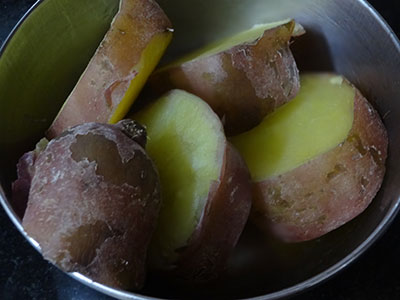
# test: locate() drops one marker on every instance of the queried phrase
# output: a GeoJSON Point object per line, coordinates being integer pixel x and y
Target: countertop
{"type": "Point", "coordinates": [25, 275]}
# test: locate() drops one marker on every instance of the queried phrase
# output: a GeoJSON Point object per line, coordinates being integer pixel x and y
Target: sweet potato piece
{"type": "Point", "coordinates": [25, 172]}
{"type": "Point", "coordinates": [205, 183]}
{"type": "Point", "coordinates": [242, 78]}
{"type": "Point", "coordinates": [341, 172]}
{"type": "Point", "coordinates": [130, 50]}
{"type": "Point", "coordinates": [93, 203]}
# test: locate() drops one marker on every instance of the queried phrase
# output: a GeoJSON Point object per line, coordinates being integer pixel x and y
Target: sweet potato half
{"type": "Point", "coordinates": [243, 78]}
{"type": "Point", "coordinates": [205, 184]}
{"type": "Point", "coordinates": [130, 50]}
{"type": "Point", "coordinates": [317, 162]}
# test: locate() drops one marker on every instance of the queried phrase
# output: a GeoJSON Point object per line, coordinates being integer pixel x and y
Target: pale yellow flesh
{"type": "Point", "coordinates": [243, 37]}
{"type": "Point", "coordinates": [317, 120]}
{"type": "Point", "coordinates": [148, 61]}
{"type": "Point", "coordinates": [186, 142]}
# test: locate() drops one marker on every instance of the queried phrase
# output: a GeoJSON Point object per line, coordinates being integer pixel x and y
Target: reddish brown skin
{"type": "Point", "coordinates": [223, 220]}
{"type": "Point", "coordinates": [21, 186]}
{"type": "Point", "coordinates": [243, 84]}
{"type": "Point", "coordinates": [93, 204]}
{"type": "Point", "coordinates": [331, 189]}
{"type": "Point", "coordinates": [110, 71]}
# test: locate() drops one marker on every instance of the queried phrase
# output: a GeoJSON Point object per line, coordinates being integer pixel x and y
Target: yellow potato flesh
{"type": "Point", "coordinates": [246, 36]}
{"type": "Point", "coordinates": [185, 140]}
{"type": "Point", "coordinates": [148, 61]}
{"type": "Point", "coordinates": [317, 120]}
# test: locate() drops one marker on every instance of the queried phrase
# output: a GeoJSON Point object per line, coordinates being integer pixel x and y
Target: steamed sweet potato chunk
{"type": "Point", "coordinates": [205, 183]}
{"type": "Point", "coordinates": [327, 183]}
{"type": "Point", "coordinates": [93, 202]}
{"type": "Point", "coordinates": [243, 78]}
{"type": "Point", "coordinates": [130, 50]}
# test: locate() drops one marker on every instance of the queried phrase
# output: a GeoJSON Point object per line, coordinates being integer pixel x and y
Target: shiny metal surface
{"type": "Point", "coordinates": [346, 36]}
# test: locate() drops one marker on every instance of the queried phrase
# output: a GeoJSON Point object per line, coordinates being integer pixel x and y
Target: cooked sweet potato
{"type": "Point", "coordinates": [317, 162]}
{"type": "Point", "coordinates": [93, 202]}
{"type": "Point", "coordinates": [25, 172]}
{"type": "Point", "coordinates": [130, 50]}
{"type": "Point", "coordinates": [205, 183]}
{"type": "Point", "coordinates": [242, 78]}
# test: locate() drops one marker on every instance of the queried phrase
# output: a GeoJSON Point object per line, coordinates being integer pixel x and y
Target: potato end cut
{"type": "Point", "coordinates": [242, 84]}
{"type": "Point", "coordinates": [297, 131]}
{"type": "Point", "coordinates": [221, 224]}
{"type": "Point", "coordinates": [130, 50]}
{"type": "Point", "coordinates": [329, 190]}
{"type": "Point", "coordinates": [186, 142]}
{"type": "Point", "coordinates": [205, 183]}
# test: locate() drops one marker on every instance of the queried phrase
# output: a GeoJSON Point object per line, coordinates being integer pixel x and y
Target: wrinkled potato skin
{"type": "Point", "coordinates": [330, 190]}
{"type": "Point", "coordinates": [93, 204]}
{"type": "Point", "coordinates": [21, 186]}
{"type": "Point", "coordinates": [113, 66]}
{"type": "Point", "coordinates": [221, 224]}
{"type": "Point", "coordinates": [242, 84]}
{"type": "Point", "coordinates": [25, 172]}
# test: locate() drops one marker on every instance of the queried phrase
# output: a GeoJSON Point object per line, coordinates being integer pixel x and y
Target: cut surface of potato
{"type": "Point", "coordinates": [205, 185]}
{"type": "Point", "coordinates": [248, 36]}
{"type": "Point", "coordinates": [130, 50]}
{"type": "Point", "coordinates": [93, 203]}
{"type": "Point", "coordinates": [242, 78]}
{"type": "Point", "coordinates": [317, 120]}
{"type": "Point", "coordinates": [343, 147]}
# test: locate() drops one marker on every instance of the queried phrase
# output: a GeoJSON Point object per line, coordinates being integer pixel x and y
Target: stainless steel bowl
{"type": "Point", "coordinates": [42, 59]}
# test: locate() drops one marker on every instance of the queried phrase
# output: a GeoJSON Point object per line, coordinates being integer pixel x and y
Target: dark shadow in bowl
{"type": "Point", "coordinates": [311, 52]}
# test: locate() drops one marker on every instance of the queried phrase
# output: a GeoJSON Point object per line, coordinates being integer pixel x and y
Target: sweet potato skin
{"type": "Point", "coordinates": [25, 172]}
{"type": "Point", "coordinates": [21, 186]}
{"type": "Point", "coordinates": [115, 64]}
{"type": "Point", "coordinates": [242, 84]}
{"type": "Point", "coordinates": [221, 224]}
{"type": "Point", "coordinates": [330, 190]}
{"type": "Point", "coordinates": [93, 204]}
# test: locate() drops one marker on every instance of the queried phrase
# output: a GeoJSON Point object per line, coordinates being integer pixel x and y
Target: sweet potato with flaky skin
{"type": "Point", "coordinates": [25, 172]}
{"type": "Point", "coordinates": [130, 50]}
{"type": "Point", "coordinates": [243, 83]}
{"type": "Point", "coordinates": [333, 187]}
{"type": "Point", "coordinates": [223, 220]}
{"type": "Point", "coordinates": [94, 201]}
{"type": "Point", "coordinates": [205, 183]}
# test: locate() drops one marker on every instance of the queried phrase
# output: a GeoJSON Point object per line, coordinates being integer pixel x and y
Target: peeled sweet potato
{"type": "Point", "coordinates": [317, 162]}
{"type": "Point", "coordinates": [93, 202]}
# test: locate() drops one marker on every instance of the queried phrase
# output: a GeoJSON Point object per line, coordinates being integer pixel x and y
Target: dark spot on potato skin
{"type": "Point", "coordinates": [278, 201]}
{"type": "Point", "coordinates": [377, 157]}
{"type": "Point", "coordinates": [337, 170]}
{"type": "Point", "coordinates": [85, 241]}
{"type": "Point", "coordinates": [356, 141]}
{"type": "Point", "coordinates": [364, 182]}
